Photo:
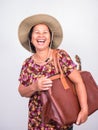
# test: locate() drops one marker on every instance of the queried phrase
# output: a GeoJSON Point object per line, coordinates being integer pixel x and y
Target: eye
{"type": "Point", "coordinates": [45, 32]}
{"type": "Point", "coordinates": [36, 31]}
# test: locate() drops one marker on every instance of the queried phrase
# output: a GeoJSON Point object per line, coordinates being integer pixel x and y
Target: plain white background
{"type": "Point", "coordinates": [79, 20]}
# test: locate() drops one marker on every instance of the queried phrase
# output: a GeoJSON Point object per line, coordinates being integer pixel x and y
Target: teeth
{"type": "Point", "coordinates": [40, 40]}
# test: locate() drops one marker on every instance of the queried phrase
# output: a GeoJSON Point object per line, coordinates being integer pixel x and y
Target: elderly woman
{"type": "Point", "coordinates": [41, 34]}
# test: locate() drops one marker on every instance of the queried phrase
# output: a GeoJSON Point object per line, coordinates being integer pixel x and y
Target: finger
{"type": "Point", "coordinates": [47, 79]}
{"type": "Point", "coordinates": [78, 120]}
{"type": "Point", "coordinates": [47, 86]}
{"type": "Point", "coordinates": [47, 82]}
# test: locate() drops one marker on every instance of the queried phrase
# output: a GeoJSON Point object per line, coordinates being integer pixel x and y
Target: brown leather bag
{"type": "Point", "coordinates": [60, 102]}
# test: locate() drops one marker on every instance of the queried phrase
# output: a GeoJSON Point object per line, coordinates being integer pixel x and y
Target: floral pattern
{"type": "Point", "coordinates": [29, 73]}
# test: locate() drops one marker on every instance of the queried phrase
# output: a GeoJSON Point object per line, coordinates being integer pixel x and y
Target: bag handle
{"type": "Point", "coordinates": [59, 69]}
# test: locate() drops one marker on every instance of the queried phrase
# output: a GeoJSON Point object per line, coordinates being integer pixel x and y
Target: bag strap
{"type": "Point", "coordinates": [59, 69]}
{"type": "Point", "coordinates": [55, 60]}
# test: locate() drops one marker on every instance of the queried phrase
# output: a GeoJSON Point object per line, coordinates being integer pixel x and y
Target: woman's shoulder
{"type": "Point", "coordinates": [62, 52]}
{"type": "Point", "coordinates": [27, 61]}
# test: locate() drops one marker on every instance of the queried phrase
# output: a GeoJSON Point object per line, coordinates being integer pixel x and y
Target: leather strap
{"type": "Point", "coordinates": [59, 69]}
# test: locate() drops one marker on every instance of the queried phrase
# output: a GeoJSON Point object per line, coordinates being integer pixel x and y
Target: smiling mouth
{"type": "Point", "coordinates": [40, 42]}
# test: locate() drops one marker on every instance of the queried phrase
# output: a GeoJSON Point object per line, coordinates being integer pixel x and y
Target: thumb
{"type": "Point", "coordinates": [78, 120]}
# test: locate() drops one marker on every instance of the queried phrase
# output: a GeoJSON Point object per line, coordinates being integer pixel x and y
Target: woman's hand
{"type": "Point", "coordinates": [82, 116]}
{"type": "Point", "coordinates": [43, 83]}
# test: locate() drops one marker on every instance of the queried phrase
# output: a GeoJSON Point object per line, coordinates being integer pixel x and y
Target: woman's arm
{"type": "Point", "coordinates": [26, 91]}
{"type": "Point", "coordinates": [82, 95]}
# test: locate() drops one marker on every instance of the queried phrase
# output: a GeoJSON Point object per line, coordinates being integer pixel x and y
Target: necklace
{"type": "Point", "coordinates": [40, 59]}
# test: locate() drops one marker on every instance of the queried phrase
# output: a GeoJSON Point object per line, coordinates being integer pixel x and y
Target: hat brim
{"type": "Point", "coordinates": [29, 22]}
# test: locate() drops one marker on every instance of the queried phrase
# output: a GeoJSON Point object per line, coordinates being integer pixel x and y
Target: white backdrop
{"type": "Point", "coordinates": [79, 20]}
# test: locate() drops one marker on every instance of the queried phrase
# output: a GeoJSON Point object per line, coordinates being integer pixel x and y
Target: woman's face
{"type": "Point", "coordinates": [41, 37]}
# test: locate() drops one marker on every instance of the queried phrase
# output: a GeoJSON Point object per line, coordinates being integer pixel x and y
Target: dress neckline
{"type": "Point", "coordinates": [49, 60]}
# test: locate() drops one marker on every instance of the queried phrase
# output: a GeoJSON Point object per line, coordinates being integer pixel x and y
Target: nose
{"type": "Point", "coordinates": [41, 34]}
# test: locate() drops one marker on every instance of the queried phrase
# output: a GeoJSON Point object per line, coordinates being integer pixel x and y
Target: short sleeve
{"type": "Point", "coordinates": [24, 75]}
{"type": "Point", "coordinates": [66, 62]}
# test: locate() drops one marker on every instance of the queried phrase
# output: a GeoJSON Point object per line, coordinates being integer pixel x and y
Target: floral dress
{"type": "Point", "coordinates": [29, 73]}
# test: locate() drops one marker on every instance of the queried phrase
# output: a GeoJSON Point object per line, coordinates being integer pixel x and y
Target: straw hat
{"type": "Point", "coordinates": [28, 23]}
